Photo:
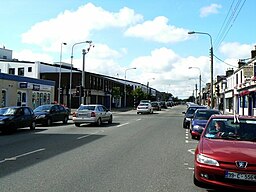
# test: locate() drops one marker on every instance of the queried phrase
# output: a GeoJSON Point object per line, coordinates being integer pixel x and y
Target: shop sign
{"type": "Point", "coordinates": [23, 85]}
{"type": "Point", "coordinates": [36, 87]}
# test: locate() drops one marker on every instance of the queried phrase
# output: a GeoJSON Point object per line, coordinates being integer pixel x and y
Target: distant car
{"type": "Point", "coordinates": [163, 104]}
{"type": "Point", "coordinates": [199, 121]}
{"type": "Point", "coordinates": [144, 108]}
{"type": "Point", "coordinates": [15, 117]}
{"type": "Point", "coordinates": [189, 114]}
{"type": "Point", "coordinates": [49, 113]}
{"type": "Point", "coordinates": [156, 106]}
{"type": "Point", "coordinates": [93, 113]}
{"type": "Point", "coordinates": [226, 157]}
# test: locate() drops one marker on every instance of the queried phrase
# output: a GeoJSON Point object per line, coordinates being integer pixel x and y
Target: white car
{"type": "Point", "coordinates": [92, 114]}
{"type": "Point", "coordinates": [144, 108]}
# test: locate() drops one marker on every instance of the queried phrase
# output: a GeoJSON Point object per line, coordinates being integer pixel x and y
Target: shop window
{"type": "Point", "coordinates": [19, 98]}
{"type": "Point", "coordinates": [24, 97]}
{"type": "Point", "coordinates": [3, 104]}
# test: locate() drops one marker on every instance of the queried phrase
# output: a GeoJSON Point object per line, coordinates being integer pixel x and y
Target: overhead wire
{"type": "Point", "coordinates": [228, 23]}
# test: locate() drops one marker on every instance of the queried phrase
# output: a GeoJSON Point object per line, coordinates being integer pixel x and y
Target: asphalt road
{"type": "Point", "coordinates": [137, 153]}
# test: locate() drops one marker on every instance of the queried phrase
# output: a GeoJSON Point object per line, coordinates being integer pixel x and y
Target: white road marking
{"type": "Point", "coordinates": [22, 155]}
{"type": "Point", "coordinates": [82, 137]}
{"type": "Point", "coordinates": [122, 124]}
{"type": "Point", "coordinates": [138, 119]}
{"type": "Point", "coordinates": [191, 151]}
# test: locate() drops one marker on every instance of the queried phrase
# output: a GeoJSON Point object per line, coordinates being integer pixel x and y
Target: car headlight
{"type": "Point", "coordinates": [41, 116]}
{"type": "Point", "coordinates": [206, 160]}
{"type": "Point", "coordinates": [2, 122]}
{"type": "Point", "coordinates": [197, 127]}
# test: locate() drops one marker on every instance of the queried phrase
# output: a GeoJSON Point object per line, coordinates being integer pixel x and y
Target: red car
{"type": "Point", "coordinates": [226, 156]}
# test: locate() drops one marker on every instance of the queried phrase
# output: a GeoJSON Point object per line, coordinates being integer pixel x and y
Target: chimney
{"type": "Point", "coordinates": [229, 72]}
{"type": "Point", "coordinates": [253, 52]}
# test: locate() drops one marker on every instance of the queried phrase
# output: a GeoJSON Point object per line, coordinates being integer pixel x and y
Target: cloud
{"type": "Point", "coordinates": [211, 9]}
{"type": "Point", "coordinates": [77, 26]}
{"type": "Point", "coordinates": [236, 50]}
{"type": "Point", "coordinates": [28, 55]}
{"type": "Point", "coordinates": [158, 30]}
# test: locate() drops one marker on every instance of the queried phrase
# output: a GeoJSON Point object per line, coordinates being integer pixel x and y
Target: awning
{"type": "Point", "coordinates": [243, 93]}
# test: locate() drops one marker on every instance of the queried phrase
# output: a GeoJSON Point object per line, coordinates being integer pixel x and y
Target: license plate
{"type": "Point", "coordinates": [240, 176]}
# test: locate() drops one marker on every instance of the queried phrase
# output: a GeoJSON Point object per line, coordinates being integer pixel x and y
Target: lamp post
{"type": "Point", "coordinates": [125, 84]}
{"type": "Point", "coordinates": [71, 68]}
{"type": "Point", "coordinates": [84, 52]}
{"type": "Point", "coordinates": [200, 79]}
{"type": "Point", "coordinates": [60, 71]}
{"type": "Point", "coordinates": [211, 53]}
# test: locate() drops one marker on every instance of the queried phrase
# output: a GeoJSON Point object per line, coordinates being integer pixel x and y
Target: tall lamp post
{"type": "Point", "coordinates": [60, 71]}
{"type": "Point", "coordinates": [84, 52]}
{"type": "Point", "coordinates": [71, 68]}
{"type": "Point", "coordinates": [200, 79]}
{"type": "Point", "coordinates": [211, 53]}
{"type": "Point", "coordinates": [125, 84]}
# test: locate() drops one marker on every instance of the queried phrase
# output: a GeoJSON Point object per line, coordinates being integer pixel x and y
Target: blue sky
{"type": "Point", "coordinates": [149, 35]}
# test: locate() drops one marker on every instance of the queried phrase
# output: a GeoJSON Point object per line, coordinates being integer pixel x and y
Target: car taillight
{"type": "Point", "coordinates": [74, 114]}
{"type": "Point", "coordinates": [93, 114]}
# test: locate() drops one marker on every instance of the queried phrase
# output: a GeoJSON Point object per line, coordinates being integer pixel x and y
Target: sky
{"type": "Point", "coordinates": [151, 36]}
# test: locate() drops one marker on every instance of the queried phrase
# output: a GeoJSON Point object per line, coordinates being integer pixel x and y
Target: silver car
{"type": "Point", "coordinates": [93, 113]}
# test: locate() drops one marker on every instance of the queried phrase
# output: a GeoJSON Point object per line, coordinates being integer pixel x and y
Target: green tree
{"type": "Point", "coordinates": [139, 94]}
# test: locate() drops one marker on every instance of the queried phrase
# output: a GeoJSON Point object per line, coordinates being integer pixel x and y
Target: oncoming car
{"type": "Point", "coordinates": [225, 155]}
{"type": "Point", "coordinates": [93, 113]}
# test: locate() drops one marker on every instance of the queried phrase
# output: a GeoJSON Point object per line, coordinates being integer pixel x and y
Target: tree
{"type": "Point", "coordinates": [138, 94]}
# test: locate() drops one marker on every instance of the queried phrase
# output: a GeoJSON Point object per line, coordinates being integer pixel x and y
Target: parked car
{"type": "Point", "coordinates": [199, 121]}
{"type": "Point", "coordinates": [144, 108]}
{"type": "Point", "coordinates": [156, 106]}
{"type": "Point", "coordinates": [189, 114]}
{"type": "Point", "coordinates": [93, 113]}
{"type": "Point", "coordinates": [226, 157]}
{"type": "Point", "coordinates": [49, 113]}
{"type": "Point", "coordinates": [12, 118]}
{"type": "Point", "coordinates": [163, 104]}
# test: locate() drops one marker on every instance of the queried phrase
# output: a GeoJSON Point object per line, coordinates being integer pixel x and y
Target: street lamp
{"type": "Point", "coordinates": [211, 52]}
{"type": "Point", "coordinates": [125, 84]}
{"type": "Point", "coordinates": [60, 71]}
{"type": "Point", "coordinates": [199, 82]}
{"type": "Point", "coordinates": [71, 68]}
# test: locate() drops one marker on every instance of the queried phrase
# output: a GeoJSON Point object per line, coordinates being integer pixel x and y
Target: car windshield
{"type": "Point", "coordinates": [86, 108]}
{"type": "Point", "coordinates": [191, 110]}
{"type": "Point", "coordinates": [43, 108]}
{"type": "Point", "coordinates": [7, 111]}
{"type": "Point", "coordinates": [204, 115]}
{"type": "Point", "coordinates": [232, 129]}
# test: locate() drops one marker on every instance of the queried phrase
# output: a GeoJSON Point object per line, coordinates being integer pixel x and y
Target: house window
{"type": "Point", "coordinates": [21, 71]}
{"type": "Point", "coordinates": [12, 71]}
{"type": "Point", "coordinates": [29, 69]}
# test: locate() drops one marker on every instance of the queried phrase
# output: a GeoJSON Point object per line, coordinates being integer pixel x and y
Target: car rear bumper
{"type": "Point", "coordinates": [84, 120]}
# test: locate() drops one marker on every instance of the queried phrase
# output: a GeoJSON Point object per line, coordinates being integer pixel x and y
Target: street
{"type": "Point", "coordinates": [136, 153]}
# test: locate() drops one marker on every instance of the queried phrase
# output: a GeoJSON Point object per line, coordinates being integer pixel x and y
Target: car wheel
{"type": "Point", "coordinates": [110, 119]}
{"type": "Point", "coordinates": [99, 122]}
{"type": "Point", "coordinates": [77, 124]}
{"type": "Point", "coordinates": [65, 120]}
{"type": "Point", "coordinates": [33, 125]}
{"type": "Point", "coordinates": [48, 122]}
